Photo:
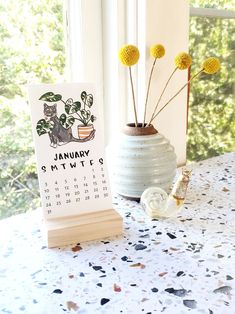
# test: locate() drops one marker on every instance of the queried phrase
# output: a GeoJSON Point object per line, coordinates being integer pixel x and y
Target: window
{"type": "Point", "coordinates": [211, 128]}
{"type": "Point", "coordinates": [32, 50]}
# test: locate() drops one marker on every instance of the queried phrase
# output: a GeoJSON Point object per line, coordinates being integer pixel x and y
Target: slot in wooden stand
{"type": "Point", "coordinates": [84, 227]}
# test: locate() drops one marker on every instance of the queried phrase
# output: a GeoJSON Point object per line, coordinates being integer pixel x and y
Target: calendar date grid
{"type": "Point", "coordinates": [92, 185]}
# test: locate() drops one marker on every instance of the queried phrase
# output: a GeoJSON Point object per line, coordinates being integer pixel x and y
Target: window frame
{"type": "Point", "coordinates": [207, 12]}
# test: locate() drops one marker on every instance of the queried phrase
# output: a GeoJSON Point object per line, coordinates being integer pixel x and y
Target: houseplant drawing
{"type": "Point", "coordinates": [59, 128]}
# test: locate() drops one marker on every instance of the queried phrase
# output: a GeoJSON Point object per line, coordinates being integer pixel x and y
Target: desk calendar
{"type": "Point", "coordinates": [73, 179]}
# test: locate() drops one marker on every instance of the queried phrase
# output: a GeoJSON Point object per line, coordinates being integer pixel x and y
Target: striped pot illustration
{"type": "Point", "coordinates": [85, 130]}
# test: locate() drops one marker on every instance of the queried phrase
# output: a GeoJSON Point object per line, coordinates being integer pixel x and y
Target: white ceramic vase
{"type": "Point", "coordinates": [142, 158]}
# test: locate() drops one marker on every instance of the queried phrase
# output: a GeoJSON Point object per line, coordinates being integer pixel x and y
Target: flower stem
{"type": "Point", "coordinates": [133, 96]}
{"type": "Point", "coordinates": [147, 95]}
{"type": "Point", "coordinates": [177, 93]}
{"type": "Point", "coordinates": [159, 99]}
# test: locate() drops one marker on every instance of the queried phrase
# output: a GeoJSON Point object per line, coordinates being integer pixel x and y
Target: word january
{"type": "Point", "coordinates": [72, 155]}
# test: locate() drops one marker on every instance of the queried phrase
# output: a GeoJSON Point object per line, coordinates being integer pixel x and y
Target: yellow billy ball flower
{"type": "Point", "coordinates": [129, 55]}
{"type": "Point", "coordinates": [211, 65]}
{"type": "Point", "coordinates": [157, 51]}
{"type": "Point", "coordinates": [183, 60]}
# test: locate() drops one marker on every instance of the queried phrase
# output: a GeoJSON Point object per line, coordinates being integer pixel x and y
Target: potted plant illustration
{"type": "Point", "coordinates": [59, 128]}
{"type": "Point", "coordinates": [85, 116]}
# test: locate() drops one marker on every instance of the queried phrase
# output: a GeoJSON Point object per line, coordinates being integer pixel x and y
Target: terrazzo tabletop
{"type": "Point", "coordinates": [177, 265]}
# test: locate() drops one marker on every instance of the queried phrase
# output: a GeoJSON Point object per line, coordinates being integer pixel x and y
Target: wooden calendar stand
{"type": "Point", "coordinates": [84, 227]}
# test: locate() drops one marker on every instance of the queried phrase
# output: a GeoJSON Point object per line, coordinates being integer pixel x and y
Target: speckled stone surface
{"type": "Point", "coordinates": [177, 265]}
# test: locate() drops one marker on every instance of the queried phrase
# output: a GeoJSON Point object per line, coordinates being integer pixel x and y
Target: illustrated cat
{"type": "Point", "coordinates": [59, 135]}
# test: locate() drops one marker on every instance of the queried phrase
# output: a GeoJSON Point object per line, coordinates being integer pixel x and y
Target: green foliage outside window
{"type": "Point", "coordinates": [31, 51]}
{"type": "Point", "coordinates": [212, 108]}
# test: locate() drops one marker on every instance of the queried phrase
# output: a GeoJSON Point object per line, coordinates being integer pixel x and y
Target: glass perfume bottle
{"type": "Point", "coordinates": [157, 203]}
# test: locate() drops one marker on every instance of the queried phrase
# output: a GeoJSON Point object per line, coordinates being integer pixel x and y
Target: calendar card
{"type": "Point", "coordinates": [69, 147]}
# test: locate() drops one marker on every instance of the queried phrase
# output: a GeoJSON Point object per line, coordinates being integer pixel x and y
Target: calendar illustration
{"type": "Point", "coordinates": [69, 147]}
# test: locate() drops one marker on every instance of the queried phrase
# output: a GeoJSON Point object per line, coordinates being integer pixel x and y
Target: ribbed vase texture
{"type": "Point", "coordinates": [139, 162]}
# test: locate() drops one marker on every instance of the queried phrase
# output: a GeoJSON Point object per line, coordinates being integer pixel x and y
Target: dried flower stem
{"type": "Point", "coordinates": [133, 96]}
{"type": "Point", "coordinates": [159, 99]}
{"type": "Point", "coordinates": [177, 93]}
{"type": "Point", "coordinates": [147, 95]}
